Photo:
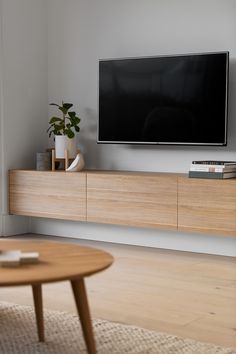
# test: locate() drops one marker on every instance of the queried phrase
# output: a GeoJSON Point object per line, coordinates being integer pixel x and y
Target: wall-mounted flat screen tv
{"type": "Point", "coordinates": [179, 99]}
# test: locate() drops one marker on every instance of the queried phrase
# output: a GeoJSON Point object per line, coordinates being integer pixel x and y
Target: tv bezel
{"type": "Point", "coordinates": [161, 142]}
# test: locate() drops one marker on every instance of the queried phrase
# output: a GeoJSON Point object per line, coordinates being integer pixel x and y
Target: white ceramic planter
{"type": "Point", "coordinates": [62, 142]}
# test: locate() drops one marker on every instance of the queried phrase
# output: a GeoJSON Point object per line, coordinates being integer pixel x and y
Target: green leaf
{"type": "Point", "coordinates": [67, 105]}
{"type": "Point", "coordinates": [69, 133]}
{"type": "Point", "coordinates": [54, 104]}
{"type": "Point", "coordinates": [63, 109]}
{"type": "Point", "coordinates": [72, 122]}
{"type": "Point", "coordinates": [58, 125]}
{"type": "Point", "coordinates": [72, 114]}
{"type": "Point", "coordinates": [77, 120]}
{"type": "Point", "coordinates": [55, 119]}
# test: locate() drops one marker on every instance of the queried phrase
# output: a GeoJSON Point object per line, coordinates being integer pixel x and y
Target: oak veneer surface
{"type": "Point", "coordinates": [187, 294]}
{"type": "Point", "coordinates": [139, 199]}
{"type": "Point", "coordinates": [49, 194]}
{"type": "Point", "coordinates": [134, 199]}
{"type": "Point", "coordinates": [207, 205]}
{"type": "Point", "coordinates": [57, 261]}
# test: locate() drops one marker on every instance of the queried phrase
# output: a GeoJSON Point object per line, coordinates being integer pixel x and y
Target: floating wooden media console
{"type": "Point", "coordinates": [158, 200]}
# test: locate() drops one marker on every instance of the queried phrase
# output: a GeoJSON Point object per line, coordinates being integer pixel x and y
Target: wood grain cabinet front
{"type": "Point", "coordinates": [207, 205]}
{"type": "Point", "coordinates": [48, 194]}
{"type": "Point", "coordinates": [134, 199]}
{"type": "Point", "coordinates": [139, 199]}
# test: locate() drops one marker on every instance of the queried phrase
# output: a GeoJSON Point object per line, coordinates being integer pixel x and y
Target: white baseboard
{"type": "Point", "coordinates": [14, 225]}
{"type": "Point", "coordinates": [218, 245]}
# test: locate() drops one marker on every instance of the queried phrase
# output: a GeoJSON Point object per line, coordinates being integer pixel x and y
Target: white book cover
{"type": "Point", "coordinates": [212, 168]}
{"type": "Point", "coordinates": [10, 258]}
{"type": "Point", "coordinates": [13, 258]}
{"type": "Point", "coordinates": [29, 257]}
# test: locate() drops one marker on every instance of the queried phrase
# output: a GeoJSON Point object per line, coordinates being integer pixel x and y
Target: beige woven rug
{"type": "Point", "coordinates": [63, 336]}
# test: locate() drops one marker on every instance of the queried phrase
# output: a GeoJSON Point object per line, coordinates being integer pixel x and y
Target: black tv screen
{"type": "Point", "coordinates": [178, 99]}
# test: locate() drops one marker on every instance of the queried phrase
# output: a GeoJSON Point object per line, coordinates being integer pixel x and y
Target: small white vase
{"type": "Point", "coordinates": [62, 142]}
{"type": "Point", "coordinates": [77, 164]}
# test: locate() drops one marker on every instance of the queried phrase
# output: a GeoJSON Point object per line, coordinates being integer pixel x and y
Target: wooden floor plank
{"type": "Point", "coordinates": [190, 295]}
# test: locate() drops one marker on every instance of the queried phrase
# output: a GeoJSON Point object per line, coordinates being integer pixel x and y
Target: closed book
{"type": "Point", "coordinates": [10, 258]}
{"type": "Point", "coordinates": [211, 175]}
{"type": "Point", "coordinates": [214, 162]}
{"type": "Point", "coordinates": [212, 168]}
{"type": "Point", "coordinates": [29, 257]}
{"type": "Point", "coordinates": [13, 258]}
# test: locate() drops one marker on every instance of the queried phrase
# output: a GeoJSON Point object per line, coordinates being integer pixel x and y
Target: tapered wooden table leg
{"type": "Point", "coordinates": [38, 308]}
{"type": "Point", "coordinates": [79, 291]}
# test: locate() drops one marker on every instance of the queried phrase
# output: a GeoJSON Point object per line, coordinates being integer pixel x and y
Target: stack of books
{"type": "Point", "coordinates": [213, 169]}
{"type": "Point", "coordinates": [13, 258]}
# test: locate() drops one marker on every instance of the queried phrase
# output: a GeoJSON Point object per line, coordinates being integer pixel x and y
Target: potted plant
{"type": "Point", "coordinates": [64, 129]}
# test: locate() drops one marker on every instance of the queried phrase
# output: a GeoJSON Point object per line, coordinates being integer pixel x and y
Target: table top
{"type": "Point", "coordinates": [57, 261]}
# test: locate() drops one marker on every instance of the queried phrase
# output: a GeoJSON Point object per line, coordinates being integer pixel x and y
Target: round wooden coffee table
{"type": "Point", "coordinates": [58, 261]}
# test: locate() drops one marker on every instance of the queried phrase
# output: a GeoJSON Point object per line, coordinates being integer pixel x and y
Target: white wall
{"type": "Point", "coordinates": [91, 29]}
{"type": "Point", "coordinates": [137, 236]}
{"type": "Point", "coordinates": [79, 33]}
{"type": "Point", "coordinates": [1, 124]}
{"type": "Point", "coordinates": [24, 96]}
{"type": "Point", "coordinates": [82, 31]}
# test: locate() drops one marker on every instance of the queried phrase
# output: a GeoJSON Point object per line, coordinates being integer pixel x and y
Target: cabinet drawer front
{"type": "Point", "coordinates": [207, 205]}
{"type": "Point", "coordinates": [57, 195]}
{"type": "Point", "coordinates": [134, 200]}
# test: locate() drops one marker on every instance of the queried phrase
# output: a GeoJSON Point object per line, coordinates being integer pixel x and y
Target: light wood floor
{"type": "Point", "coordinates": [190, 295]}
